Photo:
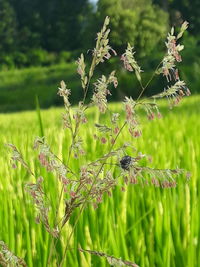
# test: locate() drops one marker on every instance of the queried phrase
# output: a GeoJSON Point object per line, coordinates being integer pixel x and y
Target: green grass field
{"type": "Point", "coordinates": [147, 225]}
{"type": "Point", "coordinates": [19, 87]}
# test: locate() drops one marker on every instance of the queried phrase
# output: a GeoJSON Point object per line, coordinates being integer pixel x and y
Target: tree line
{"type": "Point", "coordinates": [35, 31]}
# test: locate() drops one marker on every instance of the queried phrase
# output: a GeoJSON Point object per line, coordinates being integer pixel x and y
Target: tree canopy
{"type": "Point", "coordinates": [68, 25]}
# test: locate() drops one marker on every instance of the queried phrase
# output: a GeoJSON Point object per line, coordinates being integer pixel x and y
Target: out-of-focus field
{"type": "Point", "coordinates": [150, 226]}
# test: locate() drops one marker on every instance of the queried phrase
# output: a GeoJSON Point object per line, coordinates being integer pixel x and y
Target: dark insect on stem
{"type": "Point", "coordinates": [125, 162]}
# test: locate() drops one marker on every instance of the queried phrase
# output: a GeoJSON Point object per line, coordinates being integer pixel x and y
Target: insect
{"type": "Point", "coordinates": [125, 162]}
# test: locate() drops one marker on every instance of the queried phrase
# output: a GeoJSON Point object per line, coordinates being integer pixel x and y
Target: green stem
{"type": "Point", "coordinates": [87, 197]}
{"type": "Point", "coordinates": [92, 67]}
{"type": "Point", "coordinates": [147, 84]}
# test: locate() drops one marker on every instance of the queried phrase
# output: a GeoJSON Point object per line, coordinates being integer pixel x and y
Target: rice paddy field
{"type": "Point", "coordinates": [146, 225]}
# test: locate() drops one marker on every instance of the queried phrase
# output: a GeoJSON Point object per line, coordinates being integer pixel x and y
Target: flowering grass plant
{"type": "Point", "coordinates": [95, 179]}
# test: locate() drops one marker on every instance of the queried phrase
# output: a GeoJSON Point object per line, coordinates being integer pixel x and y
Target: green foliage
{"type": "Point", "coordinates": [37, 57]}
{"type": "Point", "coordinates": [6, 62]}
{"type": "Point", "coordinates": [65, 56]}
{"type": "Point", "coordinates": [150, 226]}
{"type": "Point", "coordinates": [53, 25]}
{"type": "Point", "coordinates": [7, 27]}
{"type": "Point", "coordinates": [18, 88]}
{"type": "Point", "coordinates": [35, 28]}
{"type": "Point", "coordinates": [141, 24]}
{"type": "Point", "coordinates": [20, 59]}
{"type": "Point", "coordinates": [38, 33]}
{"type": "Point", "coordinates": [180, 10]}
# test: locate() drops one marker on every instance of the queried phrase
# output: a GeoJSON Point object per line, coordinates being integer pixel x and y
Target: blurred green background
{"type": "Point", "coordinates": [152, 226]}
{"type": "Point", "coordinates": [40, 42]}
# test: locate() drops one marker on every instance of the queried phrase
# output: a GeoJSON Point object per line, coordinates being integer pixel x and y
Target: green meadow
{"type": "Point", "coordinates": [147, 225]}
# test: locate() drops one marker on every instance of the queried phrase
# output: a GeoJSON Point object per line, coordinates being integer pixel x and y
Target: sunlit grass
{"type": "Point", "coordinates": [147, 225]}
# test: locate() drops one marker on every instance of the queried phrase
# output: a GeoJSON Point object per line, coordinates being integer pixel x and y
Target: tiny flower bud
{"type": "Point", "coordinates": [103, 140]}
{"type": "Point", "coordinates": [99, 199]}
{"type": "Point", "coordinates": [126, 180]}
{"type": "Point", "coordinates": [95, 205]}
{"type": "Point", "coordinates": [72, 194]}
{"type": "Point", "coordinates": [65, 181]}
{"type": "Point", "coordinates": [123, 189]}
{"type": "Point", "coordinates": [40, 180]}
{"type": "Point", "coordinates": [14, 166]}
{"type": "Point", "coordinates": [112, 141]}
{"type": "Point", "coordinates": [137, 133]}
{"type": "Point", "coordinates": [151, 116]}
{"type": "Point", "coordinates": [116, 130]}
{"type": "Point", "coordinates": [133, 180]}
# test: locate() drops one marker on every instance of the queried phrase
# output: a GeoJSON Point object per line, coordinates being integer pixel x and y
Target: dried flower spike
{"type": "Point", "coordinates": [7, 258]}
{"type": "Point", "coordinates": [113, 261]}
{"type": "Point", "coordinates": [130, 63]}
{"type": "Point", "coordinates": [81, 71]}
{"type": "Point", "coordinates": [102, 49]}
{"type": "Point", "coordinates": [101, 91]}
{"type": "Point", "coordinates": [65, 93]}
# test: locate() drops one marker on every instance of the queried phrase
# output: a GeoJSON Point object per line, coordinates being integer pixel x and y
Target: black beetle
{"type": "Point", "coordinates": [125, 162]}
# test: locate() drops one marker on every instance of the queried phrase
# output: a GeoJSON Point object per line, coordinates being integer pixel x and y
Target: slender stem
{"type": "Point", "coordinates": [91, 71]}
{"type": "Point", "coordinates": [86, 89]}
{"type": "Point", "coordinates": [147, 84]}
{"type": "Point", "coordinates": [77, 124]}
{"type": "Point", "coordinates": [87, 197]}
{"type": "Point", "coordinates": [77, 218]}
{"type": "Point", "coordinates": [60, 196]}
{"type": "Point", "coordinates": [53, 245]}
{"type": "Point", "coordinates": [92, 67]}
{"type": "Point", "coordinates": [66, 166]}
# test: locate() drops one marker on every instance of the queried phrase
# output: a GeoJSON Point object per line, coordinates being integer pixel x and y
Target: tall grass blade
{"type": "Point", "coordinates": [39, 116]}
